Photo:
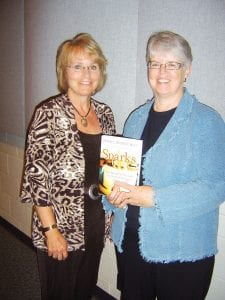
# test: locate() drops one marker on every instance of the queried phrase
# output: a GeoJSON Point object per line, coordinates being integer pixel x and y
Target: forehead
{"type": "Point", "coordinates": [163, 56]}
{"type": "Point", "coordinates": [170, 51]}
{"type": "Point", "coordinates": [80, 56]}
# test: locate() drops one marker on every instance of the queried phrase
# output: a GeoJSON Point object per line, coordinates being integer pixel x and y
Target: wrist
{"type": "Point", "coordinates": [48, 228]}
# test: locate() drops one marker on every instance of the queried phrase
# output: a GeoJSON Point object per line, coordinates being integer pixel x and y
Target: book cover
{"type": "Point", "coordinates": [120, 159]}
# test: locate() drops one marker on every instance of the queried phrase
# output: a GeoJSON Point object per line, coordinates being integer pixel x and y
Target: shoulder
{"type": "Point", "coordinates": [101, 106]}
{"type": "Point", "coordinates": [103, 111]}
{"type": "Point", "coordinates": [45, 112]}
{"type": "Point", "coordinates": [140, 111]}
{"type": "Point", "coordinates": [206, 122]}
{"type": "Point", "coordinates": [52, 102]}
{"type": "Point", "coordinates": [52, 107]}
{"type": "Point", "coordinates": [206, 114]}
{"type": "Point", "coordinates": [137, 120]}
{"type": "Point", "coordinates": [105, 116]}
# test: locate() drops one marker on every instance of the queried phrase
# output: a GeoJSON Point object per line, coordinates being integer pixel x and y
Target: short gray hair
{"type": "Point", "coordinates": [168, 41]}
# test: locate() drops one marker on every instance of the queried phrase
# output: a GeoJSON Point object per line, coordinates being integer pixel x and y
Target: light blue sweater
{"type": "Point", "coordinates": [186, 168]}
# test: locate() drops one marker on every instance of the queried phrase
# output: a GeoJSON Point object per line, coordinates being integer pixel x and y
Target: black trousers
{"type": "Point", "coordinates": [141, 280]}
{"type": "Point", "coordinates": [75, 278]}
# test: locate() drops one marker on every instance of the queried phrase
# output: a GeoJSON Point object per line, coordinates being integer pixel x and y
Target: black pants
{"type": "Point", "coordinates": [75, 278]}
{"type": "Point", "coordinates": [141, 280]}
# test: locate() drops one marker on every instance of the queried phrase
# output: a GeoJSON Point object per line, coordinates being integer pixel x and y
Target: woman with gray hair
{"type": "Point", "coordinates": [165, 229]}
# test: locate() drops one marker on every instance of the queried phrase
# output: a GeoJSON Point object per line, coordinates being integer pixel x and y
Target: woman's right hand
{"type": "Point", "coordinates": [123, 194]}
{"type": "Point", "coordinates": [55, 241]}
{"type": "Point", "coordinates": [56, 244]}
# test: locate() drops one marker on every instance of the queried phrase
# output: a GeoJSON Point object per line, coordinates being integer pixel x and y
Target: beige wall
{"type": "Point", "coordinates": [11, 209]}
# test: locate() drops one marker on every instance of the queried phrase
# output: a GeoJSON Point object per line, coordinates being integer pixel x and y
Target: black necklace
{"type": "Point", "coordinates": [84, 121]}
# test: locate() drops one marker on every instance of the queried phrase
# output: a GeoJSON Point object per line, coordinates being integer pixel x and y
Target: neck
{"type": "Point", "coordinates": [166, 103]}
{"type": "Point", "coordinates": [83, 114]}
{"type": "Point", "coordinates": [80, 102]}
{"type": "Point", "coordinates": [160, 107]}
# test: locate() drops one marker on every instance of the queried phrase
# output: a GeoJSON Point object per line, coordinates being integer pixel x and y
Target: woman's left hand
{"type": "Point", "coordinates": [123, 194]}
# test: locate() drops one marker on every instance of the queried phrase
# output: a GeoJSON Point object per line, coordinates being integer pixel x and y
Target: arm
{"type": "Point", "coordinates": [37, 179]}
{"type": "Point", "coordinates": [56, 243]}
{"type": "Point", "coordinates": [203, 190]}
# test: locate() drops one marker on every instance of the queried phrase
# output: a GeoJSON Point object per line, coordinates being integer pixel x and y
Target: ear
{"type": "Point", "coordinates": [188, 71]}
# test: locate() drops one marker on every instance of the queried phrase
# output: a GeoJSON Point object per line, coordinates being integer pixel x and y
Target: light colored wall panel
{"type": "Point", "coordinates": [217, 289]}
{"type": "Point", "coordinates": [112, 23]}
{"type": "Point", "coordinates": [11, 67]}
{"type": "Point", "coordinates": [202, 23]}
{"type": "Point", "coordinates": [220, 260]}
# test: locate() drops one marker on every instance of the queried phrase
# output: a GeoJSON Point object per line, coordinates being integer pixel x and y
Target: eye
{"type": "Point", "coordinates": [77, 67]}
{"type": "Point", "coordinates": [94, 67]}
{"type": "Point", "coordinates": [172, 65]}
{"type": "Point", "coordinates": [154, 65]}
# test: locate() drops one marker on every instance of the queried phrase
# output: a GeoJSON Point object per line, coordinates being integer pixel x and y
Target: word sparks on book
{"type": "Point", "coordinates": [117, 159]}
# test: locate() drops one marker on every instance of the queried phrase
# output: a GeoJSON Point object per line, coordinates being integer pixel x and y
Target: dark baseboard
{"type": "Point", "coordinates": [18, 234]}
{"type": "Point", "coordinates": [99, 293]}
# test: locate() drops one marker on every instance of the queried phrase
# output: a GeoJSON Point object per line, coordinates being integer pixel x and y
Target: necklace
{"type": "Point", "coordinates": [84, 121]}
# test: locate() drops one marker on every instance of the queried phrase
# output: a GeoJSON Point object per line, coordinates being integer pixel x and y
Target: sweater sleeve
{"type": "Point", "coordinates": [39, 153]}
{"type": "Point", "coordinates": [180, 201]}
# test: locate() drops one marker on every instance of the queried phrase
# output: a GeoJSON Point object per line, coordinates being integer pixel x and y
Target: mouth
{"type": "Point", "coordinates": [163, 80]}
{"type": "Point", "coordinates": [85, 82]}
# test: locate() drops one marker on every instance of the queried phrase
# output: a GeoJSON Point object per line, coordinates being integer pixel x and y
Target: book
{"type": "Point", "coordinates": [120, 160]}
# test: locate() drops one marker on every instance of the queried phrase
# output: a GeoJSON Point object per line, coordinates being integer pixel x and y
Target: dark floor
{"type": "Point", "coordinates": [18, 267]}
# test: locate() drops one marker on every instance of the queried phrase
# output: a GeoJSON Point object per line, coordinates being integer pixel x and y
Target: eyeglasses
{"type": "Point", "coordinates": [80, 68]}
{"type": "Point", "coordinates": [172, 65]}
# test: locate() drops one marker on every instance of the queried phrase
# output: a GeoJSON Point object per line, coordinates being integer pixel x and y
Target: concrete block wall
{"type": "Point", "coordinates": [19, 215]}
{"type": "Point", "coordinates": [11, 209]}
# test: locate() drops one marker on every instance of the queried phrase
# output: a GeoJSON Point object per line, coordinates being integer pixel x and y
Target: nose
{"type": "Point", "coordinates": [162, 68]}
{"type": "Point", "coordinates": [86, 71]}
{"type": "Point", "coordinates": [87, 68]}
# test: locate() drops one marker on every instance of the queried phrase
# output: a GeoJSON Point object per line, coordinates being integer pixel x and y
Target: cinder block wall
{"type": "Point", "coordinates": [11, 209]}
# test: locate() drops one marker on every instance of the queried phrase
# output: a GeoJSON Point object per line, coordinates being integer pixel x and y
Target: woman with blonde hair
{"type": "Point", "coordinates": [61, 173]}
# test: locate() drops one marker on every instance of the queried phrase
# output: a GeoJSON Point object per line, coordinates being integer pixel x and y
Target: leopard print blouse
{"type": "Point", "coordinates": [54, 167]}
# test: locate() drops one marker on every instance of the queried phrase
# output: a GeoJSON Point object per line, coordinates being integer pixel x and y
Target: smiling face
{"type": "Point", "coordinates": [83, 75]}
{"type": "Point", "coordinates": [167, 85]}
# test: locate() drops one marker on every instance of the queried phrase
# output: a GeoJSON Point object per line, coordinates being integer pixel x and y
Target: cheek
{"type": "Point", "coordinates": [181, 78]}
{"type": "Point", "coordinates": [97, 79]}
{"type": "Point", "coordinates": [98, 76]}
{"type": "Point", "coordinates": [151, 80]}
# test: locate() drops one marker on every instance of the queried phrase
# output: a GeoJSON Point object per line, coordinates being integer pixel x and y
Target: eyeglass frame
{"type": "Point", "coordinates": [82, 67]}
{"type": "Point", "coordinates": [179, 65]}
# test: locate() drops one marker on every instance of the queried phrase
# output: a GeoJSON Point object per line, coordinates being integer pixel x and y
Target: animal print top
{"type": "Point", "coordinates": [54, 167]}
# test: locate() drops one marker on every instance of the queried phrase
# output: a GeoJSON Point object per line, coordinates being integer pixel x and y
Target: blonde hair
{"type": "Point", "coordinates": [81, 42]}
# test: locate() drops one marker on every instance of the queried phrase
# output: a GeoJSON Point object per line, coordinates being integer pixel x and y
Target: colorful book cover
{"type": "Point", "coordinates": [120, 159]}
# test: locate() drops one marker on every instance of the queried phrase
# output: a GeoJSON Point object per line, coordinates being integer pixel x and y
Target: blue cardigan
{"type": "Point", "coordinates": [186, 167]}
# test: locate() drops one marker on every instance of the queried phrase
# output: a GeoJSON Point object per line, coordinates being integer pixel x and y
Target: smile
{"type": "Point", "coordinates": [163, 80]}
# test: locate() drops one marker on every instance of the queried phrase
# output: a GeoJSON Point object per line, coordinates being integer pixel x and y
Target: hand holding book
{"type": "Point", "coordinates": [123, 194]}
